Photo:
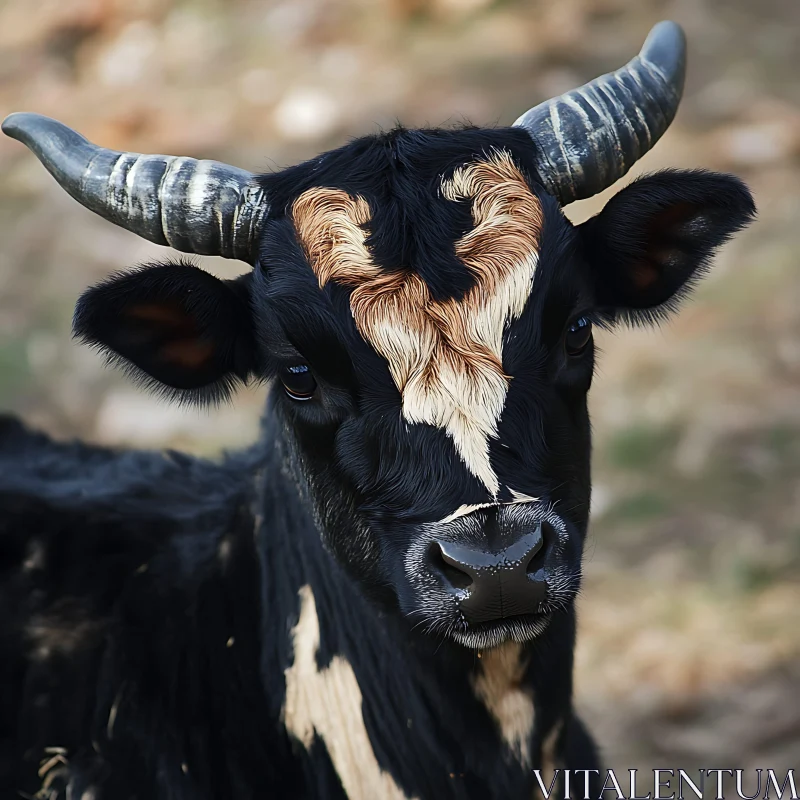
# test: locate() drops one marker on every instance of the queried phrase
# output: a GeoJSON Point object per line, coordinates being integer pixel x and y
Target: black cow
{"type": "Point", "coordinates": [377, 599]}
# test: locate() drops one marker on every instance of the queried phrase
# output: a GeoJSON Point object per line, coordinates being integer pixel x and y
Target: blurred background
{"type": "Point", "coordinates": [690, 618]}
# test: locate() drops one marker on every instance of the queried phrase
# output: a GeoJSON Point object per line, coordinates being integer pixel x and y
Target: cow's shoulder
{"type": "Point", "coordinates": [83, 527]}
{"type": "Point", "coordinates": [129, 622]}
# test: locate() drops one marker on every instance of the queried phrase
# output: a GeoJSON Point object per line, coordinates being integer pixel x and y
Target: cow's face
{"type": "Point", "coordinates": [425, 311]}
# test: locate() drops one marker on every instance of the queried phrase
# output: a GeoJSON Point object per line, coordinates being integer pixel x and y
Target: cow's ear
{"type": "Point", "coordinates": [652, 241]}
{"type": "Point", "coordinates": [174, 325]}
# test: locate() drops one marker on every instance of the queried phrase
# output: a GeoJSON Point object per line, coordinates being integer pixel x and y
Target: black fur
{"type": "Point", "coordinates": [147, 599]}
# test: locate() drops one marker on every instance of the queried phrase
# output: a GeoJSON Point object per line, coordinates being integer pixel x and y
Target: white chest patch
{"type": "Point", "coordinates": [445, 356]}
{"type": "Point", "coordinates": [328, 703]}
{"type": "Point", "coordinates": [499, 686]}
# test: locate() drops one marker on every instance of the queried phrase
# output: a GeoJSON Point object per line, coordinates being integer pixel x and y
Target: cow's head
{"type": "Point", "coordinates": [428, 311]}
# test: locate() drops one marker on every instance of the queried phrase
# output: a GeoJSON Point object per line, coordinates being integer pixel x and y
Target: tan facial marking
{"type": "Point", "coordinates": [328, 702]}
{"type": "Point", "coordinates": [499, 687]}
{"type": "Point", "coordinates": [445, 357]}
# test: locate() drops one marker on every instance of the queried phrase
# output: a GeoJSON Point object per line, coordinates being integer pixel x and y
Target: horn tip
{"type": "Point", "coordinates": [14, 123]}
{"type": "Point", "coordinates": [21, 124]}
{"type": "Point", "coordinates": [665, 47]}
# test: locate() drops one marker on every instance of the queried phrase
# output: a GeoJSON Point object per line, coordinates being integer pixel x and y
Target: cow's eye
{"type": "Point", "coordinates": [578, 336]}
{"type": "Point", "coordinates": [298, 382]}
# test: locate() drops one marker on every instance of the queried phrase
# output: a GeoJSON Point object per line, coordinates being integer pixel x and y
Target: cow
{"type": "Point", "coordinates": [377, 599]}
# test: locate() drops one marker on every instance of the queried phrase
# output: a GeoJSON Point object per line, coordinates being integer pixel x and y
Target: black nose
{"type": "Point", "coordinates": [494, 585]}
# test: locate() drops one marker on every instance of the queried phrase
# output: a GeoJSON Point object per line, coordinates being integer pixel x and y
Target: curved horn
{"type": "Point", "coordinates": [591, 136]}
{"type": "Point", "coordinates": [202, 207]}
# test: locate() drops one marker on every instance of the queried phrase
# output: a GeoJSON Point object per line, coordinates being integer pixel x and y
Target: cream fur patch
{"type": "Point", "coordinates": [328, 703]}
{"type": "Point", "coordinates": [548, 759]}
{"type": "Point", "coordinates": [445, 357]}
{"type": "Point", "coordinates": [499, 687]}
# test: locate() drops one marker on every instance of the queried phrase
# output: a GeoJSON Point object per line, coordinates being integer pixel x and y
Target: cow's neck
{"type": "Point", "coordinates": [346, 661]}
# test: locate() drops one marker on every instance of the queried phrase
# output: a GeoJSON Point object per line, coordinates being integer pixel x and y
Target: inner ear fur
{"type": "Point", "coordinates": [173, 326]}
{"type": "Point", "coordinates": [655, 238]}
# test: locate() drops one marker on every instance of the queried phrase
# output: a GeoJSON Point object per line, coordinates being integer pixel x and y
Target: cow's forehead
{"type": "Point", "coordinates": [445, 355]}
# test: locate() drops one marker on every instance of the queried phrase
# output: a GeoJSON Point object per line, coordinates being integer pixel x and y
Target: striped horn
{"type": "Point", "coordinates": [589, 137]}
{"type": "Point", "coordinates": [202, 207]}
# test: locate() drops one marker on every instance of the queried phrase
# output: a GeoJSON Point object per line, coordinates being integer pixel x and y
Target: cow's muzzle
{"type": "Point", "coordinates": [490, 586]}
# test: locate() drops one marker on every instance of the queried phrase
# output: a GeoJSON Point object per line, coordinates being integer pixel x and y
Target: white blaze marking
{"type": "Point", "coordinates": [462, 511]}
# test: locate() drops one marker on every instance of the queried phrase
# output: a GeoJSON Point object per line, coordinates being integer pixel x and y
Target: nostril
{"type": "Point", "coordinates": [538, 553]}
{"type": "Point", "coordinates": [456, 577]}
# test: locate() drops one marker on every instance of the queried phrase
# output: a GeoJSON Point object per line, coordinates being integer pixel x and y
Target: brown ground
{"type": "Point", "coordinates": [690, 637]}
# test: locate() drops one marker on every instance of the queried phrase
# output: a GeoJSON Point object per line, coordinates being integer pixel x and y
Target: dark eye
{"type": "Point", "coordinates": [298, 382]}
{"type": "Point", "coordinates": [578, 336]}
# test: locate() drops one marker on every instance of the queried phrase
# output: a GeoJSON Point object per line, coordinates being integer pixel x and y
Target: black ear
{"type": "Point", "coordinates": [654, 239]}
{"type": "Point", "coordinates": [176, 325]}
